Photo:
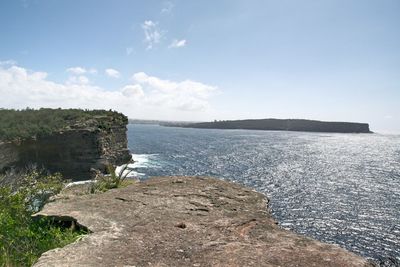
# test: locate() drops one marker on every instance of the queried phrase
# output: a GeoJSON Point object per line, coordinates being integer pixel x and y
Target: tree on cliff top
{"type": "Point", "coordinates": [31, 123]}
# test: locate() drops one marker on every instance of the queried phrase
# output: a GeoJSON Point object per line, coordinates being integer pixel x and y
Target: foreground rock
{"type": "Point", "coordinates": [184, 221]}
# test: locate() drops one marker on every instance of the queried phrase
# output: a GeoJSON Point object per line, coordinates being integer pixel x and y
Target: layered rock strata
{"type": "Point", "coordinates": [73, 152]}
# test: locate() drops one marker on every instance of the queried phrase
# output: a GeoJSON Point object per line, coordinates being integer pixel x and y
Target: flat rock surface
{"type": "Point", "coordinates": [184, 221]}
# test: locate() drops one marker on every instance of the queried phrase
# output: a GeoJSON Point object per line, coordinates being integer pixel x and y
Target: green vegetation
{"type": "Point", "coordinates": [30, 123]}
{"type": "Point", "coordinates": [102, 183]}
{"type": "Point", "coordinates": [22, 238]}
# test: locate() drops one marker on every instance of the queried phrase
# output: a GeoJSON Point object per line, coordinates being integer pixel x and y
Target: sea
{"type": "Point", "coordinates": [342, 189]}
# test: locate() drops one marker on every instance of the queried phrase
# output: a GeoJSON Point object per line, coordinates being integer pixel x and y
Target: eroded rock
{"type": "Point", "coordinates": [74, 152]}
{"type": "Point", "coordinates": [184, 221]}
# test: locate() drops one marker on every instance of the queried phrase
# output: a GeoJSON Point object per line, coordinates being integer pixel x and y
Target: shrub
{"type": "Point", "coordinates": [22, 238]}
{"type": "Point", "coordinates": [35, 185]}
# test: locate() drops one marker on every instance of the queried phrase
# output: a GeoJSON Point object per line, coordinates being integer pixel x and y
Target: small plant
{"type": "Point", "coordinates": [22, 238]}
{"type": "Point", "coordinates": [103, 182]}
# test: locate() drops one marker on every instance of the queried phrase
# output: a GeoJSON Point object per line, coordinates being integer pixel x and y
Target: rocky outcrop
{"type": "Point", "coordinates": [183, 221]}
{"type": "Point", "coordinates": [73, 152]}
{"type": "Point", "coordinates": [283, 125]}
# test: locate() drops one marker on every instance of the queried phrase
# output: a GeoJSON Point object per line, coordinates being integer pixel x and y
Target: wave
{"type": "Point", "coordinates": [140, 161]}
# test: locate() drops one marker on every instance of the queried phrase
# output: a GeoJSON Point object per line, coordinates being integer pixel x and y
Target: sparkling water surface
{"type": "Point", "coordinates": [337, 188]}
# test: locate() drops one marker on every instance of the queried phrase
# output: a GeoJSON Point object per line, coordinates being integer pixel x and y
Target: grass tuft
{"type": "Point", "coordinates": [113, 180]}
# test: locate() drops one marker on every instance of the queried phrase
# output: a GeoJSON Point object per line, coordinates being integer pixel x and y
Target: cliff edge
{"type": "Point", "coordinates": [72, 142]}
{"type": "Point", "coordinates": [183, 221]}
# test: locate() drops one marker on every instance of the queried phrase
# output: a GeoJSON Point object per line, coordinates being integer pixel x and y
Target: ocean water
{"type": "Point", "coordinates": [337, 188]}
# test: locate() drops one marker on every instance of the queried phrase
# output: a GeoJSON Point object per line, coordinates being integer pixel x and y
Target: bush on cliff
{"type": "Point", "coordinates": [22, 238]}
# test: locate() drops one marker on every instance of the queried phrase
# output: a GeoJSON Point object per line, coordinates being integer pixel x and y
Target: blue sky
{"type": "Point", "coordinates": [335, 60]}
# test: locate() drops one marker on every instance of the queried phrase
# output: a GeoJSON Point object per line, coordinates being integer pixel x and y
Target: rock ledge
{"type": "Point", "coordinates": [184, 221]}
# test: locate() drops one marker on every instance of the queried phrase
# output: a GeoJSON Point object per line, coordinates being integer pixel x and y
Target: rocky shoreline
{"type": "Point", "coordinates": [183, 221]}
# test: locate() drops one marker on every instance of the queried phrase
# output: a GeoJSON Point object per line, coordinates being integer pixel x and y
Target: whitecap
{"type": "Point", "coordinates": [142, 161]}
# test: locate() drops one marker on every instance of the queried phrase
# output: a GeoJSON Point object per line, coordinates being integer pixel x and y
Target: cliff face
{"type": "Point", "coordinates": [285, 125]}
{"type": "Point", "coordinates": [73, 152]}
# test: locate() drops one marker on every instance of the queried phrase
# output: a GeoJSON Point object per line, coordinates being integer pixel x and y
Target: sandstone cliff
{"type": "Point", "coordinates": [74, 150]}
{"type": "Point", "coordinates": [183, 221]}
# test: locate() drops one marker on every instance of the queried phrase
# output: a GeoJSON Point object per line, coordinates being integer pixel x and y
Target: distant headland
{"type": "Point", "coordinates": [281, 125]}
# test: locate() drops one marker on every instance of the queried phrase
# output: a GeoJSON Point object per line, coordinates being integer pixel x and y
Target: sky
{"type": "Point", "coordinates": [333, 60]}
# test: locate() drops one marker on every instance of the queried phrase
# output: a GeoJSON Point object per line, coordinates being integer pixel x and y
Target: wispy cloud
{"type": "Point", "coordinates": [129, 51]}
{"type": "Point", "coordinates": [177, 43]}
{"type": "Point", "coordinates": [388, 117]}
{"type": "Point", "coordinates": [167, 7]}
{"type": "Point", "coordinates": [9, 62]}
{"type": "Point", "coordinates": [152, 33]}
{"type": "Point", "coordinates": [92, 71]}
{"type": "Point", "coordinates": [81, 70]}
{"type": "Point", "coordinates": [25, 3]}
{"type": "Point", "coordinates": [113, 73]}
{"type": "Point", "coordinates": [76, 70]}
{"type": "Point", "coordinates": [77, 75]}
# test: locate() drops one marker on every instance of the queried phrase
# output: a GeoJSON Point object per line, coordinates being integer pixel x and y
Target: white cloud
{"type": "Point", "coordinates": [184, 95]}
{"type": "Point", "coordinates": [133, 91]}
{"type": "Point", "coordinates": [167, 7]}
{"type": "Point", "coordinates": [81, 79]}
{"type": "Point", "coordinates": [146, 97]}
{"type": "Point", "coordinates": [152, 34]}
{"type": "Point", "coordinates": [112, 73]}
{"type": "Point", "coordinates": [76, 70]}
{"type": "Point", "coordinates": [177, 43]}
{"type": "Point", "coordinates": [81, 70]}
{"type": "Point", "coordinates": [77, 75]}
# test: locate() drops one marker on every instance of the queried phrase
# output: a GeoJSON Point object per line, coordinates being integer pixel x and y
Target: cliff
{"type": "Point", "coordinates": [284, 125]}
{"type": "Point", "coordinates": [183, 221]}
{"type": "Point", "coordinates": [73, 150]}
